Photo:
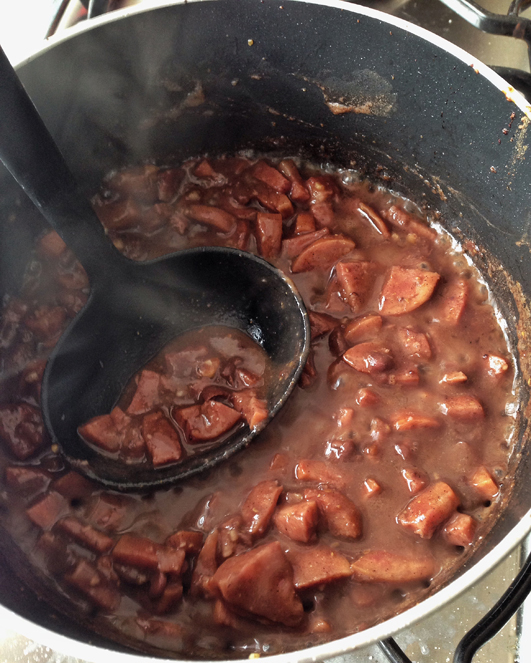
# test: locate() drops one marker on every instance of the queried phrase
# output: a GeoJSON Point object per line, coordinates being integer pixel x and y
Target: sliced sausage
{"type": "Point", "coordinates": [260, 583]}
{"type": "Point", "coordinates": [429, 509]}
{"type": "Point", "coordinates": [406, 289]}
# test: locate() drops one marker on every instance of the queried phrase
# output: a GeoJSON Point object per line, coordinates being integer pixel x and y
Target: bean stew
{"type": "Point", "coordinates": [364, 494]}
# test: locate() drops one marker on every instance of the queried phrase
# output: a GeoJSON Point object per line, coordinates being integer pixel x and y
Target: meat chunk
{"type": "Point", "coordinates": [271, 176]}
{"type": "Point", "coordinates": [253, 409]}
{"type": "Point", "coordinates": [167, 596]}
{"type": "Point", "coordinates": [304, 223]}
{"type": "Point", "coordinates": [51, 245]}
{"type": "Point", "coordinates": [402, 220]}
{"type": "Point", "coordinates": [414, 479]}
{"type": "Point", "coordinates": [299, 193]}
{"type": "Point", "coordinates": [406, 289]}
{"type": "Point", "coordinates": [344, 418]}
{"type": "Point", "coordinates": [294, 246]}
{"type": "Point", "coordinates": [356, 280]}
{"type": "Point", "coordinates": [321, 324]}
{"type": "Point", "coordinates": [111, 512]}
{"type": "Point", "coordinates": [369, 357]}
{"type": "Point", "coordinates": [215, 217]}
{"type": "Point", "coordinates": [298, 521]}
{"type": "Point", "coordinates": [309, 372]}
{"type": "Point", "coordinates": [324, 214]}
{"type": "Point", "coordinates": [460, 530]}
{"type": "Point", "coordinates": [322, 254]}
{"type": "Point", "coordinates": [166, 631]}
{"type": "Point", "coordinates": [341, 515]}
{"type": "Point", "coordinates": [408, 376]}
{"type": "Point", "coordinates": [74, 486]}
{"type": "Point", "coordinates": [374, 218]}
{"type": "Point", "coordinates": [268, 234]}
{"type": "Point", "coordinates": [371, 487]}
{"type": "Point", "coordinates": [260, 583]}
{"type": "Point", "coordinates": [484, 483]}
{"type": "Point", "coordinates": [385, 566]}
{"type": "Point", "coordinates": [136, 551]}
{"type": "Point", "coordinates": [318, 565]}
{"type": "Point", "coordinates": [47, 510]}
{"type": "Point", "coordinates": [146, 396]}
{"type": "Point", "coordinates": [453, 377]}
{"type": "Point", "coordinates": [161, 438]}
{"type": "Point", "coordinates": [85, 534]}
{"type": "Point", "coordinates": [205, 568]}
{"type": "Point", "coordinates": [189, 541]}
{"type": "Point", "coordinates": [222, 615]}
{"type": "Point", "coordinates": [336, 341]}
{"type": "Point", "coordinates": [412, 421]}
{"type": "Point", "coordinates": [207, 421]}
{"type": "Point", "coordinates": [463, 408]}
{"type": "Point", "coordinates": [320, 472]}
{"type": "Point", "coordinates": [454, 301]}
{"type": "Point", "coordinates": [367, 397]}
{"type": "Point", "coordinates": [170, 560]}
{"type": "Point", "coordinates": [92, 584]}
{"type": "Point", "coordinates": [429, 509]}
{"type": "Point", "coordinates": [363, 329]}
{"type": "Point", "coordinates": [118, 215]}
{"type": "Point", "coordinates": [21, 429]}
{"type": "Point", "coordinates": [26, 480]}
{"type": "Point", "coordinates": [269, 198]}
{"type": "Point", "coordinates": [414, 343]}
{"type": "Point", "coordinates": [107, 431]}
{"type": "Point", "coordinates": [322, 188]}
{"type": "Point", "coordinates": [258, 508]}
{"type": "Point", "coordinates": [204, 169]}
{"type": "Point", "coordinates": [338, 449]}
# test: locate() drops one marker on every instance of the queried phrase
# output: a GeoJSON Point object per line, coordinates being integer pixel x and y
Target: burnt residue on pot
{"type": "Point", "coordinates": [521, 146]}
{"type": "Point", "coordinates": [365, 92]}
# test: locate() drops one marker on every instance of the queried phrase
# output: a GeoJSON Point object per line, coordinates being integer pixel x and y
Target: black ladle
{"type": "Point", "coordinates": [135, 308]}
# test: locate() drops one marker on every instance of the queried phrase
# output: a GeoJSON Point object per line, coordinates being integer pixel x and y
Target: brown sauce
{"type": "Point", "coordinates": [366, 492]}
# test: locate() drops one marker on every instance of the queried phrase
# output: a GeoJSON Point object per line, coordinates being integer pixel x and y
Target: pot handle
{"type": "Point", "coordinates": [96, 7]}
{"type": "Point", "coordinates": [519, 79]}
{"type": "Point", "coordinates": [510, 25]}
{"type": "Point", "coordinates": [486, 628]}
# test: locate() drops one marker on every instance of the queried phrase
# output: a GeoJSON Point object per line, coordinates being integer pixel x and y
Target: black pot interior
{"type": "Point", "coordinates": [300, 79]}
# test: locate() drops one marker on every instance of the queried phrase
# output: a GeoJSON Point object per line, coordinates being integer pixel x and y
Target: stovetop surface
{"type": "Point", "coordinates": [434, 639]}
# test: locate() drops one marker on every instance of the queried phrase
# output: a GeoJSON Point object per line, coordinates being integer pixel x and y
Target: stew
{"type": "Point", "coordinates": [370, 488]}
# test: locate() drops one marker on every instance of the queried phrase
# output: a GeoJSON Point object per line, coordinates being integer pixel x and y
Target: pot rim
{"type": "Point", "coordinates": [92, 653]}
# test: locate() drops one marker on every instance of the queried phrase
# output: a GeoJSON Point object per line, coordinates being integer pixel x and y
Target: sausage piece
{"type": "Point", "coordinates": [298, 521]}
{"type": "Point", "coordinates": [260, 583]}
{"type": "Point", "coordinates": [259, 506]}
{"type": "Point", "coordinates": [429, 509]}
{"type": "Point", "coordinates": [384, 566]}
{"type": "Point", "coordinates": [406, 289]}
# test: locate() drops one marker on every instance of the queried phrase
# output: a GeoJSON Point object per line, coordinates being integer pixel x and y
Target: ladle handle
{"type": "Point", "coordinates": [32, 157]}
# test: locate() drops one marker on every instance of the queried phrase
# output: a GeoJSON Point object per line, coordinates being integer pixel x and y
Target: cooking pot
{"type": "Point", "coordinates": [334, 83]}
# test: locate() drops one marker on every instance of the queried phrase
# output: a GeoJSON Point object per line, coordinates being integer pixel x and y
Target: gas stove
{"type": "Point", "coordinates": [435, 638]}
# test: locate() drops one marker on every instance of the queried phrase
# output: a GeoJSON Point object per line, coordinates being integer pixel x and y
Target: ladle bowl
{"type": "Point", "coordinates": [135, 308]}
